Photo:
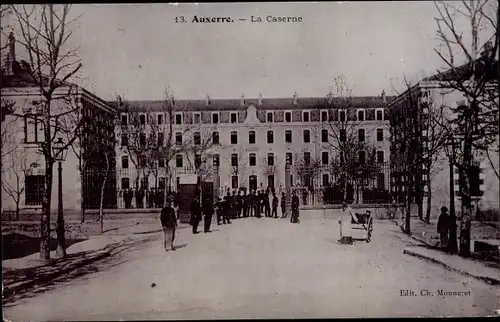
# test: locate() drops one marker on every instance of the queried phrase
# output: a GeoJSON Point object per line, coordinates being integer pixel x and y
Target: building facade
{"type": "Point", "coordinates": [250, 140]}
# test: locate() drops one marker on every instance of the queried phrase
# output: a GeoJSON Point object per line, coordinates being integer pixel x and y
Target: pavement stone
{"type": "Point", "coordinates": [458, 264]}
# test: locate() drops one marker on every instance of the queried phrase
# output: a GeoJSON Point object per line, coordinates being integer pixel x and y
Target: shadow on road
{"type": "Point", "coordinates": [15, 245]}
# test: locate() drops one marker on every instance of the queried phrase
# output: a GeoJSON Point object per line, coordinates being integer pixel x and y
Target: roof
{"type": "Point", "coordinates": [267, 104]}
{"type": "Point", "coordinates": [464, 72]}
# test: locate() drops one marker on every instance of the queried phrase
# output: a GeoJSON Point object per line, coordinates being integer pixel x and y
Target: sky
{"type": "Point", "coordinates": [137, 50]}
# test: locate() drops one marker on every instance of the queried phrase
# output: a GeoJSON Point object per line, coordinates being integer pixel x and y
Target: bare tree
{"type": "Point", "coordinates": [471, 78]}
{"type": "Point", "coordinates": [13, 184]}
{"type": "Point", "coordinates": [44, 32]}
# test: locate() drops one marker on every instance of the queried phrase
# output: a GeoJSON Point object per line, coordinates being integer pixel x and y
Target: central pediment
{"type": "Point", "coordinates": [251, 116]}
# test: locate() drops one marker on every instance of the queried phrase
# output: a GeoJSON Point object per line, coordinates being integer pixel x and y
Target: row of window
{"type": "Point", "coordinates": [306, 117]}
{"type": "Point", "coordinates": [306, 137]}
{"type": "Point", "coordinates": [252, 159]}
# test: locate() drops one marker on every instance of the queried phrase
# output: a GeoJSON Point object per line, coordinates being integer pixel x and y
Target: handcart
{"type": "Point", "coordinates": [364, 222]}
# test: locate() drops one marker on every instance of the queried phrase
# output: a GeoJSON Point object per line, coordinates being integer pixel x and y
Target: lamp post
{"type": "Point", "coordinates": [60, 152]}
{"type": "Point", "coordinates": [450, 152]}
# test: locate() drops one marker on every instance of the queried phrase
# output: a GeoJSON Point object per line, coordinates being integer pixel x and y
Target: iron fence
{"type": "Point", "coordinates": [92, 182]}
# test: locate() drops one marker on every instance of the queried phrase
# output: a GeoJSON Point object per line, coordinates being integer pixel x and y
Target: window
{"type": "Point", "coordinates": [32, 128]}
{"type": "Point", "coordinates": [270, 159]}
{"type": "Point", "coordinates": [215, 118]}
{"type": "Point", "coordinates": [142, 119]}
{"type": "Point", "coordinates": [124, 119]}
{"type": "Point", "coordinates": [197, 160]}
{"type": "Point", "coordinates": [216, 160]}
{"type": "Point", "coordinates": [289, 158]}
{"type": "Point", "coordinates": [324, 135]}
{"type": "Point", "coordinates": [197, 118]}
{"type": "Point", "coordinates": [178, 138]}
{"type": "Point", "coordinates": [361, 135]}
{"type": "Point", "coordinates": [380, 135]}
{"type": "Point", "coordinates": [34, 188]}
{"type": "Point", "coordinates": [251, 137]}
{"type": "Point", "coordinates": [324, 157]}
{"type": "Point", "coordinates": [234, 117]}
{"type": "Point", "coordinates": [270, 181]}
{"type": "Point", "coordinates": [288, 117]}
{"type": "Point", "coordinates": [362, 156]}
{"type": "Point", "coordinates": [381, 181]}
{"type": "Point", "coordinates": [215, 137]}
{"type": "Point", "coordinates": [380, 156]}
{"type": "Point", "coordinates": [305, 116]}
{"type": "Point", "coordinates": [270, 117]}
{"type": "Point", "coordinates": [160, 119]}
{"type": "Point", "coordinates": [288, 136]}
{"type": "Point", "coordinates": [341, 157]}
{"type": "Point", "coordinates": [234, 182]}
{"type": "Point", "coordinates": [326, 179]}
{"type": "Point", "coordinates": [343, 135]}
{"type": "Point", "coordinates": [380, 115]}
{"type": "Point", "coordinates": [270, 137]}
{"type": "Point", "coordinates": [361, 115]}
{"type": "Point", "coordinates": [178, 161]}
{"type": "Point", "coordinates": [307, 136]}
{"type": "Point", "coordinates": [197, 138]}
{"type": "Point", "coordinates": [125, 184]}
{"type": "Point", "coordinates": [234, 137]}
{"type": "Point", "coordinates": [324, 116]}
{"type": "Point", "coordinates": [144, 183]}
{"type": "Point", "coordinates": [124, 162]}
{"type": "Point", "coordinates": [234, 160]}
{"type": "Point", "coordinates": [178, 119]}
{"type": "Point", "coordinates": [342, 116]}
{"type": "Point", "coordinates": [161, 139]}
{"type": "Point", "coordinates": [161, 163]}
{"type": "Point", "coordinates": [124, 140]}
{"type": "Point", "coordinates": [252, 159]}
{"type": "Point", "coordinates": [162, 183]}
{"type": "Point", "coordinates": [307, 158]}
{"type": "Point", "coordinates": [142, 139]}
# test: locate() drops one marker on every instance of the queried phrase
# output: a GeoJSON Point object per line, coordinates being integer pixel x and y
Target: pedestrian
{"type": "Point", "coordinates": [275, 206]}
{"type": "Point", "coordinates": [267, 206]}
{"type": "Point", "coordinates": [443, 227]}
{"type": "Point", "coordinates": [208, 211]}
{"type": "Point", "coordinates": [195, 214]}
{"type": "Point", "coordinates": [294, 218]}
{"type": "Point", "coordinates": [169, 224]}
{"type": "Point", "coordinates": [239, 203]}
{"type": "Point", "coordinates": [345, 221]}
{"type": "Point", "coordinates": [218, 211]}
{"type": "Point", "coordinates": [283, 205]}
{"type": "Point", "coordinates": [234, 205]}
{"type": "Point", "coordinates": [251, 204]}
{"type": "Point", "coordinates": [258, 201]}
{"type": "Point", "coordinates": [244, 203]}
{"type": "Point", "coordinates": [228, 211]}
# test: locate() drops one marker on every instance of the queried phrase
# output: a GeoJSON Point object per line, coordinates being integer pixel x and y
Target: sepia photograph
{"type": "Point", "coordinates": [168, 161]}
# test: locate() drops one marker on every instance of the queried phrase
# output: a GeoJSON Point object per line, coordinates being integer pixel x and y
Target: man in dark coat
{"type": "Point", "coordinates": [250, 204]}
{"type": "Point", "coordinates": [257, 204]}
{"type": "Point", "coordinates": [244, 203]}
{"type": "Point", "coordinates": [208, 211]}
{"type": "Point", "coordinates": [228, 211]}
{"type": "Point", "coordinates": [267, 206]}
{"type": "Point", "coordinates": [234, 205]}
{"type": "Point", "coordinates": [195, 214]}
{"type": "Point", "coordinates": [218, 211]}
{"type": "Point", "coordinates": [239, 204]}
{"type": "Point", "coordinates": [294, 218]}
{"type": "Point", "coordinates": [275, 206]}
{"type": "Point", "coordinates": [169, 223]}
{"type": "Point", "coordinates": [443, 227]}
{"type": "Point", "coordinates": [283, 205]}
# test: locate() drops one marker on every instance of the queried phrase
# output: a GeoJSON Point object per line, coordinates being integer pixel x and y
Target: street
{"type": "Point", "coordinates": [265, 268]}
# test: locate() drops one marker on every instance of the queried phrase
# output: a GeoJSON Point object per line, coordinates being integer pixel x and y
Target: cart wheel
{"type": "Point", "coordinates": [370, 230]}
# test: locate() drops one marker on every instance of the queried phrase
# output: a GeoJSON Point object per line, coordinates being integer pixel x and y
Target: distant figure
{"type": "Point", "coordinates": [244, 203]}
{"type": "Point", "coordinates": [304, 196]}
{"type": "Point", "coordinates": [251, 204]}
{"type": "Point", "coordinates": [283, 205]}
{"type": "Point", "coordinates": [169, 223]}
{"type": "Point", "coordinates": [275, 206]}
{"type": "Point", "coordinates": [195, 214]}
{"type": "Point", "coordinates": [258, 203]}
{"type": "Point", "coordinates": [208, 211]}
{"type": "Point", "coordinates": [443, 227]}
{"type": "Point", "coordinates": [239, 203]}
{"type": "Point", "coordinates": [294, 218]}
{"type": "Point", "coordinates": [234, 205]}
{"type": "Point", "coordinates": [226, 218]}
{"type": "Point", "coordinates": [218, 211]}
{"type": "Point", "coordinates": [267, 206]}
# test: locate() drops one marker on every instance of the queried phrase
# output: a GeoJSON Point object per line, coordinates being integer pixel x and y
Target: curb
{"type": "Point", "coordinates": [488, 280]}
{"type": "Point", "coordinates": [12, 289]}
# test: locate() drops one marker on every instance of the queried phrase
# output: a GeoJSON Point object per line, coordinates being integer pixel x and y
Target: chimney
{"type": "Point", "coordinates": [242, 100]}
{"type": "Point", "coordinates": [260, 99]}
{"type": "Point", "coordinates": [11, 56]}
{"type": "Point", "coordinates": [119, 100]}
{"type": "Point", "coordinates": [295, 99]}
{"type": "Point", "coordinates": [383, 96]}
{"type": "Point", "coordinates": [207, 100]}
{"type": "Point", "coordinates": [330, 96]}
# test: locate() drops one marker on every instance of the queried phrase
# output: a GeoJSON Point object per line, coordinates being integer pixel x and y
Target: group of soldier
{"type": "Point", "coordinates": [258, 204]}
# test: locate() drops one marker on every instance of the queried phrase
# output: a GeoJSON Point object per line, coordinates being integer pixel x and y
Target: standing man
{"type": "Point", "coordinates": [244, 203]}
{"type": "Point", "coordinates": [234, 205]}
{"type": "Point", "coordinates": [257, 204]}
{"type": "Point", "coordinates": [443, 227]}
{"type": "Point", "coordinates": [239, 203]}
{"type": "Point", "coordinates": [169, 223]}
{"type": "Point", "coordinates": [283, 205]}
{"type": "Point", "coordinates": [275, 206]}
{"type": "Point", "coordinates": [267, 206]}
{"type": "Point", "coordinates": [195, 214]}
{"type": "Point", "coordinates": [250, 204]}
{"type": "Point", "coordinates": [218, 209]}
{"type": "Point", "coordinates": [294, 218]}
{"type": "Point", "coordinates": [345, 224]}
{"type": "Point", "coordinates": [208, 211]}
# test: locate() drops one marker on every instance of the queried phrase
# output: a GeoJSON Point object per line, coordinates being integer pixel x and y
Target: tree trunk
{"type": "Point", "coordinates": [82, 202]}
{"type": "Point", "coordinates": [409, 182]}
{"type": "Point", "coordinates": [45, 218]}
{"type": "Point", "coordinates": [429, 200]}
{"type": "Point", "coordinates": [17, 210]}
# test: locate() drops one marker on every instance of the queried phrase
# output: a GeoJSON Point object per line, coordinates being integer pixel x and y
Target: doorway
{"type": "Point", "coordinates": [252, 185]}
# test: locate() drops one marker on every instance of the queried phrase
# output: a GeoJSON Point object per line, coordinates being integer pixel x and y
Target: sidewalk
{"type": "Point", "coordinates": [458, 264]}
